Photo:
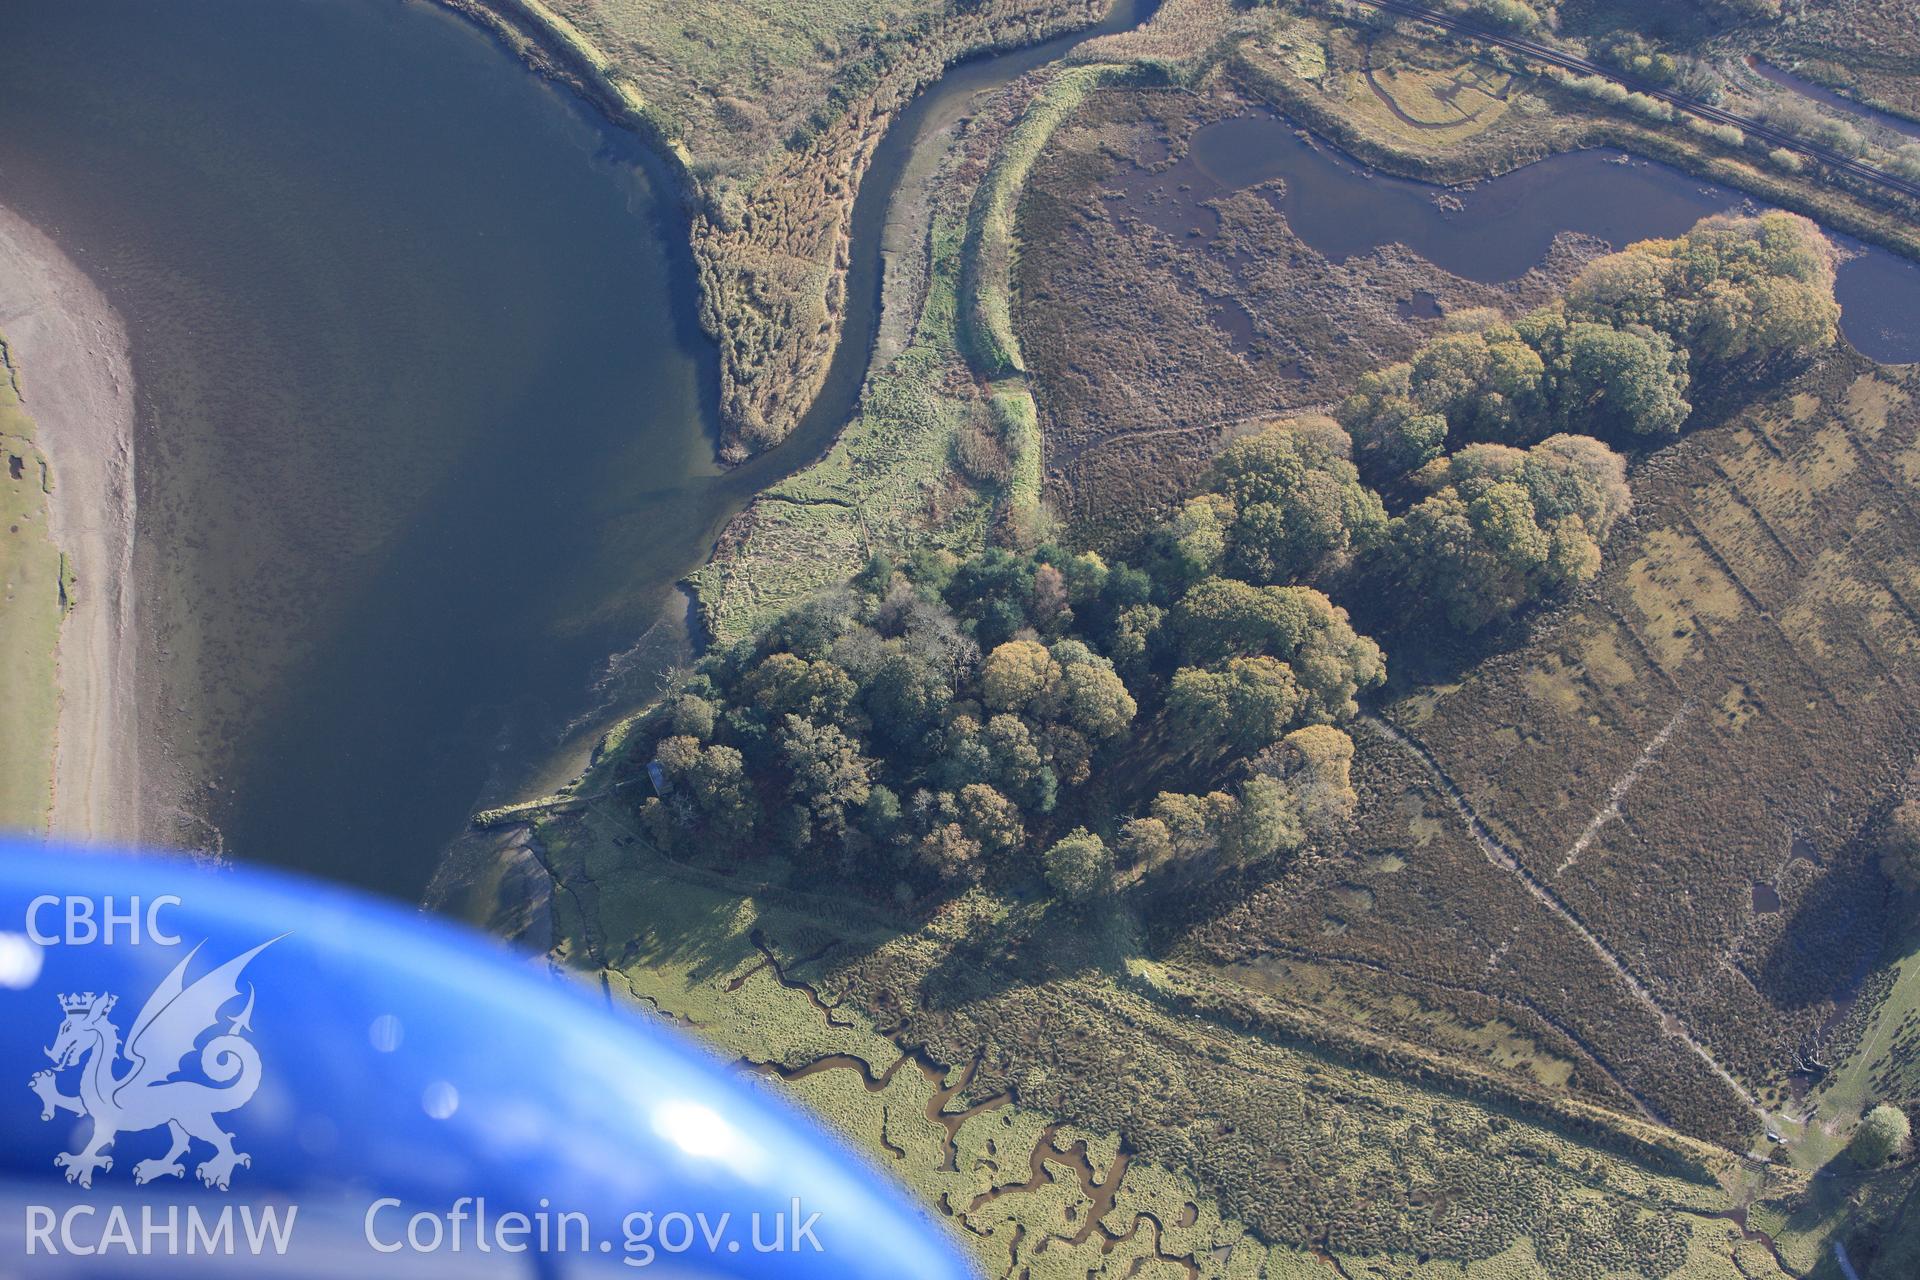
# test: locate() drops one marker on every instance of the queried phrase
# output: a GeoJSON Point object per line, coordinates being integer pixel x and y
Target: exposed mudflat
{"type": "Point", "coordinates": [77, 382]}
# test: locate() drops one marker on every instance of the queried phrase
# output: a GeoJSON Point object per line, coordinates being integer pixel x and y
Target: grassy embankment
{"type": "Point", "coordinates": [986, 273]}
{"type": "Point", "coordinates": [33, 594]}
{"type": "Point", "coordinates": [946, 445]}
{"type": "Point", "coordinates": [888, 481]}
{"type": "Point", "coordinates": [933, 457]}
{"type": "Point", "coordinates": [770, 111]}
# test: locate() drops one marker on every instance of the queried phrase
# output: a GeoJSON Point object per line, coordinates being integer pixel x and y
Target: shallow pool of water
{"type": "Point", "coordinates": [1495, 230]}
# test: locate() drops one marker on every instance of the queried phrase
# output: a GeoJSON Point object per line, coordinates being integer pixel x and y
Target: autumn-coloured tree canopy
{"type": "Point", "coordinates": [1051, 717]}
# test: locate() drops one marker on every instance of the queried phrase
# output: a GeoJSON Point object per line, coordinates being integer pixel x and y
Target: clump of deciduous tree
{"type": "Point", "coordinates": [938, 723]}
{"type": "Point", "coordinates": [1078, 865]}
{"type": "Point", "coordinates": [1046, 715]}
{"type": "Point", "coordinates": [1618, 357]}
{"type": "Point", "coordinates": [1296, 790]}
{"type": "Point", "coordinates": [1515, 15]}
{"type": "Point", "coordinates": [1284, 504]}
{"type": "Point", "coordinates": [1501, 526]}
{"type": "Point", "coordinates": [1884, 1134]}
{"type": "Point", "coordinates": [1732, 289]}
{"type": "Point", "coordinates": [1222, 620]}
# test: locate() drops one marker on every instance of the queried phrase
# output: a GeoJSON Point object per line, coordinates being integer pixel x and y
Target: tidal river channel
{"type": "Point", "coordinates": [425, 421]}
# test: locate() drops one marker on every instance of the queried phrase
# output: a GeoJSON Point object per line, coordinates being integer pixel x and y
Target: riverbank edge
{"type": "Point", "coordinates": [76, 380]}
{"type": "Point", "coordinates": [548, 45]}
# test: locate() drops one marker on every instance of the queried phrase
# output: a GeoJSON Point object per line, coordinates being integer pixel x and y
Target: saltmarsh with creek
{"type": "Point", "coordinates": [437, 521]}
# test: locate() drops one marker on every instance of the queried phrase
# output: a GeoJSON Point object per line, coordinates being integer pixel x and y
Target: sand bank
{"type": "Point", "coordinates": [76, 381]}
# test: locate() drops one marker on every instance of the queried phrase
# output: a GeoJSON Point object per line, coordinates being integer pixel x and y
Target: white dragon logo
{"type": "Point", "coordinates": [146, 1096]}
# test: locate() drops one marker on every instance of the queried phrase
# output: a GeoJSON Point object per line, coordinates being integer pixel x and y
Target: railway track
{"type": "Point", "coordinates": [1835, 160]}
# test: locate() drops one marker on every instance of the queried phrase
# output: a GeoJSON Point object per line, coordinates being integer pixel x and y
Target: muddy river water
{"type": "Point", "coordinates": [425, 421]}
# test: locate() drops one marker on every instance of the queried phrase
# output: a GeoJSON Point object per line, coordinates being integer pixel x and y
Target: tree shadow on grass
{"type": "Point", "coordinates": [634, 907]}
{"type": "Point", "coordinates": [1832, 938]}
{"type": "Point", "coordinates": [1034, 945]}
